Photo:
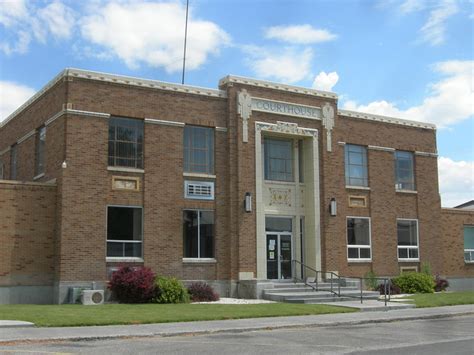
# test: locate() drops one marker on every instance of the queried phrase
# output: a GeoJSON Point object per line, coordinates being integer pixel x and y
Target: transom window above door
{"type": "Point", "coordinates": [278, 157]}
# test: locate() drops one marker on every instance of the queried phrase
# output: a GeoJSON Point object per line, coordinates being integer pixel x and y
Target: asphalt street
{"type": "Point", "coordinates": [434, 336]}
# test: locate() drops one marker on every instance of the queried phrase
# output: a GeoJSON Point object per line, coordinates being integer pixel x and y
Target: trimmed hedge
{"type": "Point", "coordinates": [202, 292]}
{"type": "Point", "coordinates": [133, 284]}
{"type": "Point", "coordinates": [415, 282]}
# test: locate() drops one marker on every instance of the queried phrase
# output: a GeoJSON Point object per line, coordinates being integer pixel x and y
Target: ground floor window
{"type": "Point", "coordinates": [358, 239]}
{"type": "Point", "coordinates": [469, 244]}
{"type": "Point", "coordinates": [407, 234]}
{"type": "Point", "coordinates": [124, 231]}
{"type": "Point", "coordinates": [198, 234]}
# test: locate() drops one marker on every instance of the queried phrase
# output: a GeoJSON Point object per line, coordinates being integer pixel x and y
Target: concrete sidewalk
{"type": "Point", "coordinates": [238, 325]}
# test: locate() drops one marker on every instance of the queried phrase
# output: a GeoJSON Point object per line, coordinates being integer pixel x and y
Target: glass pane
{"type": "Point", "coordinates": [355, 158]}
{"type": "Point", "coordinates": [190, 234]}
{"type": "Point", "coordinates": [402, 253]}
{"type": "Point", "coordinates": [273, 224]}
{"type": "Point", "coordinates": [133, 250]}
{"type": "Point", "coordinates": [206, 234]}
{"type": "Point", "coordinates": [413, 253]}
{"type": "Point", "coordinates": [278, 156]}
{"type": "Point", "coordinates": [114, 249]}
{"type": "Point", "coordinates": [407, 233]}
{"type": "Point", "coordinates": [198, 149]}
{"type": "Point", "coordinates": [358, 231]}
{"type": "Point", "coordinates": [353, 253]}
{"type": "Point", "coordinates": [364, 253]}
{"type": "Point", "coordinates": [468, 237]}
{"type": "Point", "coordinates": [124, 223]}
{"type": "Point", "coordinates": [272, 257]}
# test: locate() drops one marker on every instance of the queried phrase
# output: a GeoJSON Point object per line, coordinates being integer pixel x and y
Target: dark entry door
{"type": "Point", "coordinates": [279, 256]}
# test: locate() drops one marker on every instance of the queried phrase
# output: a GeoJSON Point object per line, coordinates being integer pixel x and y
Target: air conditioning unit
{"type": "Point", "coordinates": [75, 294]}
{"type": "Point", "coordinates": [92, 297]}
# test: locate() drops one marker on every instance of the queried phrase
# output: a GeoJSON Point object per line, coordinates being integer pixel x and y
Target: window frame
{"type": "Point", "coordinates": [467, 250]}
{"type": "Point", "coordinates": [188, 149]}
{"type": "Point", "coordinates": [399, 183]}
{"type": "Point", "coordinates": [122, 258]}
{"type": "Point", "coordinates": [199, 258]}
{"type": "Point", "coordinates": [359, 246]}
{"type": "Point", "coordinates": [14, 161]}
{"type": "Point", "coordinates": [139, 159]}
{"type": "Point", "coordinates": [364, 165]}
{"type": "Point", "coordinates": [40, 151]}
{"type": "Point", "coordinates": [2, 170]}
{"type": "Point", "coordinates": [268, 176]}
{"type": "Point", "coordinates": [409, 247]}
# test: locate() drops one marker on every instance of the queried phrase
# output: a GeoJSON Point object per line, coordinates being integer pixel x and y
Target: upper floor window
{"type": "Point", "coordinates": [198, 150]}
{"type": "Point", "coordinates": [198, 234]}
{"type": "Point", "coordinates": [278, 158]}
{"type": "Point", "coordinates": [13, 161]}
{"type": "Point", "coordinates": [358, 239]}
{"type": "Point", "coordinates": [469, 244]}
{"type": "Point", "coordinates": [407, 234]}
{"type": "Point", "coordinates": [356, 165]}
{"type": "Point", "coordinates": [40, 151]}
{"type": "Point", "coordinates": [404, 177]}
{"type": "Point", "coordinates": [124, 231]}
{"type": "Point", "coordinates": [126, 142]}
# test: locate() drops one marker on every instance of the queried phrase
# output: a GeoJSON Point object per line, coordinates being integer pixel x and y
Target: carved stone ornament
{"type": "Point", "coordinates": [244, 108]}
{"type": "Point", "coordinates": [280, 197]}
{"type": "Point", "coordinates": [328, 123]}
{"type": "Point", "coordinates": [287, 127]}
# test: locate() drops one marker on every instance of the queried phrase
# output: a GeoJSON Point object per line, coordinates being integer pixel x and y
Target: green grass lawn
{"type": "Point", "coordinates": [443, 299]}
{"type": "Point", "coordinates": [78, 315]}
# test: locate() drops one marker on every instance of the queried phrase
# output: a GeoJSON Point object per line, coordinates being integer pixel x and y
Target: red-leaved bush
{"type": "Point", "coordinates": [202, 292]}
{"type": "Point", "coordinates": [441, 284]}
{"type": "Point", "coordinates": [133, 284]}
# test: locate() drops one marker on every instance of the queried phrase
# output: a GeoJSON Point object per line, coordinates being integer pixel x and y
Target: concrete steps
{"type": "Point", "coordinates": [285, 291]}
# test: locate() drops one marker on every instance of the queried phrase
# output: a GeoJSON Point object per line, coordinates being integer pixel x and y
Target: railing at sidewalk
{"type": "Point", "coordinates": [336, 278]}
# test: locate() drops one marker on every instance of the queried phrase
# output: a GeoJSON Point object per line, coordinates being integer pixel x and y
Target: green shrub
{"type": "Point", "coordinates": [426, 268]}
{"type": "Point", "coordinates": [170, 290]}
{"type": "Point", "coordinates": [370, 280]}
{"type": "Point", "coordinates": [415, 282]}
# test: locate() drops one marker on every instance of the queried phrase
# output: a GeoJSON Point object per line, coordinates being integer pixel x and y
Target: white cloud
{"type": "Point", "coordinates": [12, 11]}
{"type": "Point", "coordinates": [456, 181]}
{"type": "Point", "coordinates": [409, 6]}
{"type": "Point", "coordinates": [282, 64]}
{"type": "Point", "coordinates": [27, 21]}
{"type": "Point", "coordinates": [450, 100]}
{"type": "Point", "coordinates": [299, 34]}
{"type": "Point", "coordinates": [433, 31]}
{"type": "Point", "coordinates": [325, 81]}
{"type": "Point", "coordinates": [152, 33]}
{"type": "Point", "coordinates": [12, 96]}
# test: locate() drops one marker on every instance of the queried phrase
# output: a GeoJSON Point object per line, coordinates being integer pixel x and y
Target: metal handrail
{"type": "Point", "coordinates": [387, 282]}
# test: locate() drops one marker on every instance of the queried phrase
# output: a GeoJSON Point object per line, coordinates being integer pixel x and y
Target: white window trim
{"type": "Point", "coordinates": [469, 251]}
{"type": "Point", "coordinates": [360, 246]}
{"type": "Point", "coordinates": [122, 258]}
{"type": "Point", "coordinates": [409, 246]}
{"type": "Point", "coordinates": [200, 260]}
{"type": "Point", "coordinates": [125, 169]}
{"type": "Point", "coordinates": [199, 197]}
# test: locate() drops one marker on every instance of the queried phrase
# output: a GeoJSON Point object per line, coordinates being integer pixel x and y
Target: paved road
{"type": "Point", "coordinates": [440, 336]}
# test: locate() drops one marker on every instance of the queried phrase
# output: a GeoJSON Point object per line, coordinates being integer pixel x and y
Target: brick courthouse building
{"type": "Point", "coordinates": [224, 185]}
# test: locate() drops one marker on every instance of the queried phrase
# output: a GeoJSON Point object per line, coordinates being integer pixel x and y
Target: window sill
{"type": "Point", "coordinates": [125, 170]}
{"type": "Point", "coordinates": [358, 261]}
{"type": "Point", "coordinates": [123, 260]}
{"type": "Point", "coordinates": [199, 260]}
{"type": "Point", "coordinates": [279, 182]}
{"type": "Point", "coordinates": [198, 175]}
{"type": "Point", "coordinates": [469, 262]}
{"type": "Point", "coordinates": [407, 191]}
{"type": "Point", "coordinates": [408, 260]}
{"type": "Point", "coordinates": [351, 187]}
{"type": "Point", "coordinates": [39, 176]}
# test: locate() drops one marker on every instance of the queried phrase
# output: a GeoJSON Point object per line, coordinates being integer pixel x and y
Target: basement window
{"type": "Point", "coordinates": [124, 232]}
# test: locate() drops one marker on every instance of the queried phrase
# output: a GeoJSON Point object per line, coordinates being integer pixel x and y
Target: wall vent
{"type": "Point", "coordinates": [199, 190]}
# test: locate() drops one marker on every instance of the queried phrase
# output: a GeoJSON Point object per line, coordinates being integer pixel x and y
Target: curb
{"type": "Point", "coordinates": [232, 330]}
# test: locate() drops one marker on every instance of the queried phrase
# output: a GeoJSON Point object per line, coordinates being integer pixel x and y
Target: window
{"type": "Point", "coordinates": [40, 151]}
{"type": "Point", "coordinates": [358, 238]}
{"type": "Point", "coordinates": [126, 142]}
{"type": "Point", "coordinates": [404, 178]}
{"type": "Point", "coordinates": [198, 234]}
{"type": "Point", "coordinates": [124, 231]}
{"type": "Point", "coordinates": [407, 234]}
{"type": "Point", "coordinates": [13, 161]}
{"type": "Point", "coordinates": [198, 150]}
{"type": "Point", "coordinates": [469, 244]}
{"type": "Point", "coordinates": [300, 161]}
{"type": "Point", "coordinates": [356, 165]}
{"type": "Point", "coordinates": [278, 157]}
{"type": "Point", "coordinates": [1, 171]}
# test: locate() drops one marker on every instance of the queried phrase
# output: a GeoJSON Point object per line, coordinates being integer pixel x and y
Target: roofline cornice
{"type": "Point", "coordinates": [276, 86]}
{"type": "Point", "coordinates": [385, 119]}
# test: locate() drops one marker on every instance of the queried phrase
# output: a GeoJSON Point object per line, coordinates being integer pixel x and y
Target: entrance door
{"type": "Point", "coordinates": [279, 256]}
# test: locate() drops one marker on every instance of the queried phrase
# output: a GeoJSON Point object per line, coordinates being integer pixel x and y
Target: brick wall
{"type": "Point", "coordinates": [27, 234]}
{"type": "Point", "coordinates": [452, 242]}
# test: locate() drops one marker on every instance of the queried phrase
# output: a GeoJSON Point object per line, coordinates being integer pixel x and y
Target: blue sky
{"type": "Point", "coordinates": [405, 58]}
